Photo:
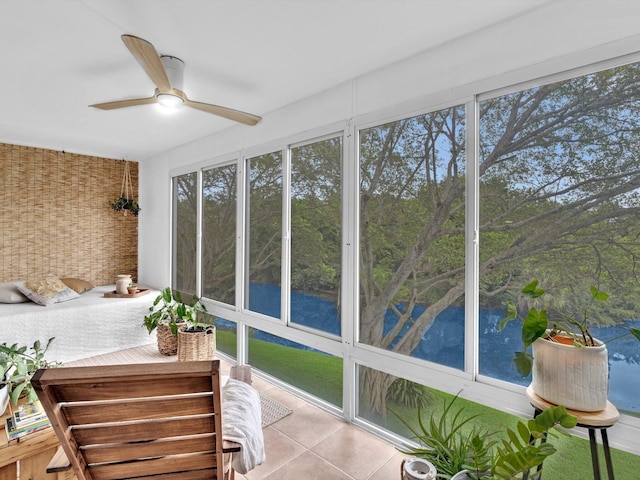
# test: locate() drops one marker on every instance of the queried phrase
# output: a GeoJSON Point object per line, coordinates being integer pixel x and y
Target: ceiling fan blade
{"type": "Point", "coordinates": [230, 113]}
{"type": "Point", "coordinates": [148, 58]}
{"type": "Point", "coordinates": [125, 103]}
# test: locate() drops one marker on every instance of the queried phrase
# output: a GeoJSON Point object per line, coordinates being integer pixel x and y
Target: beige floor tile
{"type": "Point", "coordinates": [355, 452]}
{"type": "Point", "coordinates": [308, 467]}
{"type": "Point", "coordinates": [279, 450]}
{"type": "Point", "coordinates": [390, 470]}
{"type": "Point", "coordinates": [309, 425]}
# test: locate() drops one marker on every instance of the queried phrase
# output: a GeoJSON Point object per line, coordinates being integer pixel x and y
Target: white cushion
{"type": "Point", "coordinates": [47, 290]}
{"type": "Point", "coordinates": [9, 293]}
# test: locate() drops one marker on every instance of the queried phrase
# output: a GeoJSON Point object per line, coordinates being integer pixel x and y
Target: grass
{"type": "Point", "coordinates": [321, 375]}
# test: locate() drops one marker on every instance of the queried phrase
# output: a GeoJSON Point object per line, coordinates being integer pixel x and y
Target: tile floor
{"type": "Point", "coordinates": [312, 444]}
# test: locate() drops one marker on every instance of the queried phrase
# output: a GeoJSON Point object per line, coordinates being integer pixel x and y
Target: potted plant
{"type": "Point", "coordinates": [125, 204]}
{"type": "Point", "coordinates": [132, 288]}
{"type": "Point", "coordinates": [167, 314]}
{"type": "Point", "coordinates": [462, 454]}
{"type": "Point", "coordinates": [568, 365]}
{"type": "Point", "coordinates": [17, 365]}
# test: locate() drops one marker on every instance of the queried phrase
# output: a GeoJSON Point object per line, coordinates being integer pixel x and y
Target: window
{"type": "Point", "coordinates": [264, 221]}
{"type": "Point", "coordinates": [559, 200]}
{"type": "Point", "coordinates": [185, 208]}
{"type": "Point", "coordinates": [412, 185]}
{"type": "Point", "coordinates": [557, 175]}
{"type": "Point", "coordinates": [299, 365]}
{"type": "Point", "coordinates": [315, 234]}
{"type": "Point", "coordinates": [219, 192]}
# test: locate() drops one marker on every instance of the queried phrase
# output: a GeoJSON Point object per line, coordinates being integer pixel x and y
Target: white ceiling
{"type": "Point", "coordinates": [59, 56]}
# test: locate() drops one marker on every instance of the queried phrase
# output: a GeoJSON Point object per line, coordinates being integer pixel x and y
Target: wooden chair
{"type": "Point", "coordinates": [156, 420]}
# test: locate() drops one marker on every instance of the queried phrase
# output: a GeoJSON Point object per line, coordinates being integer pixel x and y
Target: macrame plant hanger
{"type": "Point", "coordinates": [126, 190]}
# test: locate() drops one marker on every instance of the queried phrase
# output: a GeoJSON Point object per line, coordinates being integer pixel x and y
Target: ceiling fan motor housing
{"type": "Point", "coordinates": [175, 71]}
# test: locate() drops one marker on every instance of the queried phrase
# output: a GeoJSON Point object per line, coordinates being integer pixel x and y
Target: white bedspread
{"type": "Point", "coordinates": [83, 327]}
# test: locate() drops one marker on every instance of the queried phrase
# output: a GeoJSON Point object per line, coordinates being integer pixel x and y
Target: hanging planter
{"type": "Point", "coordinates": [125, 202]}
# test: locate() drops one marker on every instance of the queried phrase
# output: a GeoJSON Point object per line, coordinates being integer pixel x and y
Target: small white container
{"type": "Point", "coordinates": [122, 282]}
{"type": "Point", "coordinates": [418, 469]}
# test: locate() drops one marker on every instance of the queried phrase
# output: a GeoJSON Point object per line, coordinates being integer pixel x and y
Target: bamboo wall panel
{"type": "Point", "coordinates": [56, 216]}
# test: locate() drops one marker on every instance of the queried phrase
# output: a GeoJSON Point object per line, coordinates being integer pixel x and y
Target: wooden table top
{"type": "Point", "coordinates": [602, 419]}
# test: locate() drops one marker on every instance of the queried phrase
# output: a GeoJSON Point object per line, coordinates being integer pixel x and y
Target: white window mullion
{"type": "Point", "coordinates": [199, 221]}
{"type": "Point", "coordinates": [242, 261]}
{"type": "Point", "coordinates": [285, 282]}
{"type": "Point", "coordinates": [349, 289]}
{"type": "Point", "coordinates": [472, 215]}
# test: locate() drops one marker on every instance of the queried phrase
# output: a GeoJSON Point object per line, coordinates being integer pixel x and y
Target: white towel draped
{"type": "Point", "coordinates": [241, 423]}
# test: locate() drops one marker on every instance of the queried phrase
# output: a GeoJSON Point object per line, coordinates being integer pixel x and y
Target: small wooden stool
{"type": "Point", "coordinates": [590, 420]}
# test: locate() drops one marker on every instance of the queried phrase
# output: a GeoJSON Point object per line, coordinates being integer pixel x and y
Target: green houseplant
{"type": "Point", "coordinates": [168, 314]}
{"type": "Point", "coordinates": [460, 451]}
{"type": "Point", "coordinates": [18, 364]}
{"type": "Point", "coordinates": [576, 353]}
{"type": "Point", "coordinates": [125, 204]}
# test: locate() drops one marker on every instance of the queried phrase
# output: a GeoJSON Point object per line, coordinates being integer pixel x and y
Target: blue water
{"type": "Point", "coordinates": [443, 343]}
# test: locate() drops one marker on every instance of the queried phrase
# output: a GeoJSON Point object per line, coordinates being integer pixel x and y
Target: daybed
{"type": "Point", "coordinates": [89, 325]}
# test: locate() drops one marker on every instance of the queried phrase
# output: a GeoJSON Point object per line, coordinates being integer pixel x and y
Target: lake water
{"type": "Point", "coordinates": [443, 343]}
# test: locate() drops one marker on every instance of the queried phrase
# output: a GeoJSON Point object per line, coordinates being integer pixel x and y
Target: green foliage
{"type": "Point", "coordinates": [444, 441]}
{"type": "Point", "coordinates": [126, 204]}
{"type": "Point", "coordinates": [18, 364]}
{"type": "Point", "coordinates": [541, 324]}
{"type": "Point", "coordinates": [409, 394]}
{"type": "Point", "coordinates": [524, 449]}
{"type": "Point", "coordinates": [451, 448]}
{"type": "Point", "coordinates": [173, 311]}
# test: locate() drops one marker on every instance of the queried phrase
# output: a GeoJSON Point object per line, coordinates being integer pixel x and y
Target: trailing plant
{"type": "Point", "coordinates": [552, 323]}
{"type": "Point", "coordinates": [125, 204]}
{"type": "Point", "coordinates": [451, 448]}
{"type": "Point", "coordinates": [169, 309]}
{"type": "Point", "coordinates": [18, 364]}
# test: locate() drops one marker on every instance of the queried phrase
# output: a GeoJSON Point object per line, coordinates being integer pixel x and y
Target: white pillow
{"type": "Point", "coordinates": [47, 290]}
{"type": "Point", "coordinates": [9, 293]}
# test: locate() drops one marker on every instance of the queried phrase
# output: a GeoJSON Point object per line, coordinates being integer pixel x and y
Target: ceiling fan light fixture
{"type": "Point", "coordinates": [170, 101]}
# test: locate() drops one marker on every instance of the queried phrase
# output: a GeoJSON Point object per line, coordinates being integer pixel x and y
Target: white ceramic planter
{"type": "Point", "coordinates": [4, 399]}
{"type": "Point", "coordinates": [577, 378]}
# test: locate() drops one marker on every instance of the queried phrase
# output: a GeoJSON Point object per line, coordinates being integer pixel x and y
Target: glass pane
{"type": "Point", "coordinates": [315, 234]}
{"type": "Point", "coordinates": [264, 212]}
{"type": "Point", "coordinates": [219, 203]}
{"type": "Point", "coordinates": [308, 369]}
{"type": "Point", "coordinates": [559, 202]}
{"type": "Point", "coordinates": [184, 232]}
{"type": "Point", "coordinates": [412, 211]}
{"type": "Point", "coordinates": [226, 336]}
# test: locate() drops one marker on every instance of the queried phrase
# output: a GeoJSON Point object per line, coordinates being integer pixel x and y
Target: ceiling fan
{"type": "Point", "coordinates": [166, 73]}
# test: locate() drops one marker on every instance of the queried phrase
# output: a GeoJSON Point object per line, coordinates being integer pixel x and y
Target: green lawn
{"type": "Point", "coordinates": [321, 375]}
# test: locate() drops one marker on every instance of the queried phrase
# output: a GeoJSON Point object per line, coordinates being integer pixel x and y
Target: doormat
{"type": "Point", "coordinates": [272, 411]}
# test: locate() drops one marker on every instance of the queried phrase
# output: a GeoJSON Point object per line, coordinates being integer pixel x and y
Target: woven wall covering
{"type": "Point", "coordinates": [56, 216]}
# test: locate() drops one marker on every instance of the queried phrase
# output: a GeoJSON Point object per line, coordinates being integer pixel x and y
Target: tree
{"type": "Point", "coordinates": [559, 172]}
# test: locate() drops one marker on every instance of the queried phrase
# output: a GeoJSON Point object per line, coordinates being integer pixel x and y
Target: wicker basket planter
{"type": "Point", "coordinates": [167, 341]}
{"type": "Point", "coordinates": [200, 345]}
